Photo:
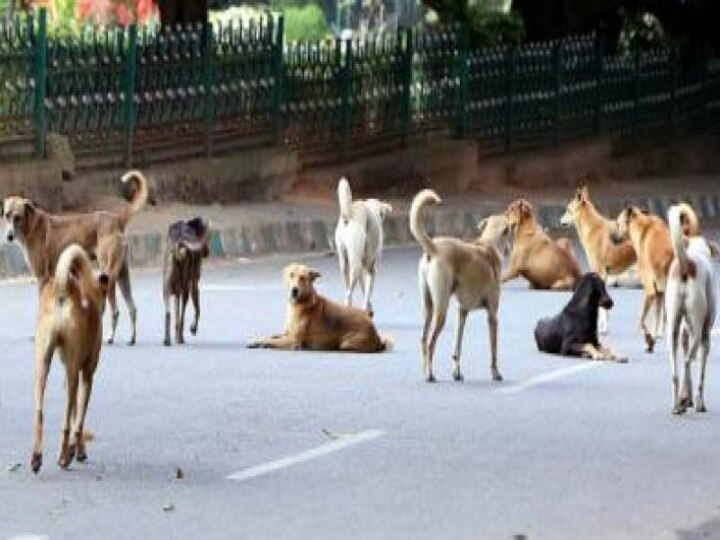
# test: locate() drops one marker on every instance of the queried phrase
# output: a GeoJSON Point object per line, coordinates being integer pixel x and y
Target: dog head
{"type": "Point", "coordinates": [518, 212]}
{"type": "Point", "coordinates": [574, 206]}
{"type": "Point", "coordinates": [18, 215]}
{"type": "Point", "coordinates": [188, 236]}
{"type": "Point", "coordinates": [379, 207]}
{"type": "Point", "coordinates": [591, 288]}
{"type": "Point", "coordinates": [495, 230]}
{"type": "Point", "coordinates": [623, 223]}
{"type": "Point", "coordinates": [299, 282]}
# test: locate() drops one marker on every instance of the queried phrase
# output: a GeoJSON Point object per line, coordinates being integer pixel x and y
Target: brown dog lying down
{"type": "Point", "coordinates": [315, 323]}
{"type": "Point", "coordinates": [69, 320]}
{"type": "Point", "coordinates": [546, 264]}
{"type": "Point", "coordinates": [43, 236]}
{"type": "Point", "coordinates": [185, 248]}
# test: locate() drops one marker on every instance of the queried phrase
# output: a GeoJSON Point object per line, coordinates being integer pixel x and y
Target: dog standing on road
{"type": "Point", "coordinates": [574, 331]}
{"type": "Point", "coordinates": [359, 241]}
{"type": "Point", "coordinates": [604, 256]}
{"type": "Point", "coordinates": [448, 266]}
{"type": "Point", "coordinates": [315, 323]}
{"type": "Point", "coordinates": [69, 320]}
{"type": "Point", "coordinates": [650, 239]}
{"type": "Point", "coordinates": [535, 256]}
{"type": "Point", "coordinates": [44, 236]}
{"type": "Point", "coordinates": [690, 304]}
{"type": "Point", "coordinates": [185, 248]}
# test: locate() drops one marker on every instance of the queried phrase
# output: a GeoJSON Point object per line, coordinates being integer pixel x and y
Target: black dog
{"type": "Point", "coordinates": [574, 331]}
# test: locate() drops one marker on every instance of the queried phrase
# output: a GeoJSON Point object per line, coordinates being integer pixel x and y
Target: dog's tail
{"type": "Point", "coordinates": [345, 199]}
{"type": "Point", "coordinates": [137, 193]}
{"type": "Point", "coordinates": [676, 214]}
{"type": "Point", "coordinates": [417, 226]}
{"type": "Point", "coordinates": [74, 275]}
{"type": "Point", "coordinates": [690, 222]}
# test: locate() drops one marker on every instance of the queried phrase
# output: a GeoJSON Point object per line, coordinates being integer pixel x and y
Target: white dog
{"type": "Point", "coordinates": [689, 304]}
{"type": "Point", "coordinates": [359, 241]}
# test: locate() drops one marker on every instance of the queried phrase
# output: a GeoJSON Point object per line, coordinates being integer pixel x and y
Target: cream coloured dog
{"type": "Point", "coordinates": [690, 304]}
{"type": "Point", "coordinates": [359, 242]}
{"type": "Point", "coordinates": [448, 266]}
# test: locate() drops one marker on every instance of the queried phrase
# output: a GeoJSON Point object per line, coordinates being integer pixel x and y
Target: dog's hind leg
{"type": "Point", "coordinates": [195, 295]}
{"type": "Point", "coordinates": [427, 311]}
{"type": "Point", "coordinates": [368, 288]}
{"type": "Point", "coordinates": [114, 311]}
{"type": "Point", "coordinates": [493, 330]}
{"type": "Point", "coordinates": [126, 289]}
{"type": "Point", "coordinates": [602, 321]}
{"type": "Point", "coordinates": [86, 382]}
{"type": "Point", "coordinates": [659, 314]}
{"type": "Point", "coordinates": [345, 274]}
{"type": "Point", "coordinates": [673, 336]}
{"type": "Point", "coordinates": [67, 452]}
{"type": "Point", "coordinates": [649, 339]}
{"type": "Point", "coordinates": [440, 288]}
{"type": "Point", "coordinates": [704, 352]}
{"type": "Point", "coordinates": [686, 391]}
{"type": "Point", "coordinates": [457, 349]}
{"type": "Point", "coordinates": [43, 356]}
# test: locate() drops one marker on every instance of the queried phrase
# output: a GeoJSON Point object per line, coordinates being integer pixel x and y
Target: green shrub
{"type": "Point", "coordinates": [305, 23]}
{"type": "Point", "coordinates": [488, 27]}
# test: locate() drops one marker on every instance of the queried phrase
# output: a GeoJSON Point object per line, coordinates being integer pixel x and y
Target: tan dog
{"type": "Point", "coordinates": [44, 236]}
{"type": "Point", "coordinates": [650, 238]}
{"type": "Point", "coordinates": [469, 271]}
{"type": "Point", "coordinates": [315, 323]}
{"type": "Point", "coordinates": [69, 320]}
{"type": "Point", "coordinates": [495, 231]}
{"type": "Point", "coordinates": [604, 257]}
{"type": "Point", "coordinates": [535, 256]}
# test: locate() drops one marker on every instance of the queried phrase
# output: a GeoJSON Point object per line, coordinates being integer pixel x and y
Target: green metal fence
{"type": "Point", "coordinates": [131, 97]}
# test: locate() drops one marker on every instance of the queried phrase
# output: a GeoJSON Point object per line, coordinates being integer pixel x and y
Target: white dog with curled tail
{"type": "Point", "coordinates": [359, 242]}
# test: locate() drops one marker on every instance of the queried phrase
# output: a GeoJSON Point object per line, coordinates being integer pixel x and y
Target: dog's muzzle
{"type": "Point", "coordinates": [10, 236]}
{"type": "Point", "coordinates": [607, 303]}
{"type": "Point", "coordinates": [616, 238]}
{"type": "Point", "coordinates": [294, 293]}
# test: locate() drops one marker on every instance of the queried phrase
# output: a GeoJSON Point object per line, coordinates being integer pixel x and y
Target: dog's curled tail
{"type": "Point", "coordinates": [675, 217]}
{"type": "Point", "coordinates": [345, 199]}
{"type": "Point", "coordinates": [690, 223]}
{"type": "Point", "coordinates": [73, 273]}
{"type": "Point", "coordinates": [137, 193]}
{"type": "Point", "coordinates": [417, 226]}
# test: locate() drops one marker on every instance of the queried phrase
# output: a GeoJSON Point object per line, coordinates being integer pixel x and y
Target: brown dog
{"type": "Point", "coordinates": [69, 320]}
{"type": "Point", "coordinates": [650, 238]}
{"type": "Point", "coordinates": [185, 248]}
{"type": "Point", "coordinates": [535, 256]}
{"type": "Point", "coordinates": [316, 323]}
{"type": "Point", "coordinates": [44, 236]}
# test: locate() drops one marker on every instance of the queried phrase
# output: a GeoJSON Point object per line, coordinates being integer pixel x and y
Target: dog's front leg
{"type": "Point", "coordinates": [196, 305]}
{"type": "Point", "coordinates": [180, 322]}
{"type": "Point", "coordinates": [166, 302]}
{"type": "Point", "coordinates": [281, 341]}
{"type": "Point", "coordinates": [614, 356]}
{"type": "Point", "coordinates": [114, 311]}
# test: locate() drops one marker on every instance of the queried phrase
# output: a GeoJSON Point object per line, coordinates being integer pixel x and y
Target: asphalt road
{"type": "Point", "coordinates": [328, 446]}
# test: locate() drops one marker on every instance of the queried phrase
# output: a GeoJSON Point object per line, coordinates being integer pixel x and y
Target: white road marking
{"type": "Point", "coordinates": [548, 377]}
{"type": "Point", "coordinates": [30, 537]}
{"type": "Point", "coordinates": [343, 442]}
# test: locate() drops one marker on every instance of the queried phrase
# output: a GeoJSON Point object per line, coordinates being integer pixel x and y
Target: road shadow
{"type": "Point", "coordinates": [706, 530]}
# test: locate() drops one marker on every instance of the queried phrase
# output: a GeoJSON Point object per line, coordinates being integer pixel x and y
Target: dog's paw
{"type": "Point", "coordinates": [700, 407]}
{"type": "Point", "coordinates": [678, 410]}
{"type": "Point", "coordinates": [167, 342]}
{"type": "Point", "coordinates": [81, 455]}
{"type": "Point", "coordinates": [36, 462]}
{"type": "Point", "coordinates": [430, 378]}
{"type": "Point", "coordinates": [110, 340]}
{"type": "Point", "coordinates": [496, 376]}
{"type": "Point", "coordinates": [649, 343]}
{"type": "Point", "coordinates": [193, 329]}
{"type": "Point", "coordinates": [458, 376]}
{"type": "Point", "coordinates": [66, 457]}
{"type": "Point", "coordinates": [132, 341]}
{"type": "Point", "coordinates": [255, 345]}
{"type": "Point", "coordinates": [621, 359]}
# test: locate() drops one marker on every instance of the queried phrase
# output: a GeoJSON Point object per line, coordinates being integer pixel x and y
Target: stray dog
{"type": "Point", "coordinates": [448, 266]}
{"type": "Point", "coordinates": [315, 323]}
{"type": "Point", "coordinates": [495, 231]}
{"type": "Point", "coordinates": [650, 239]}
{"type": "Point", "coordinates": [535, 256]}
{"type": "Point", "coordinates": [690, 304]}
{"type": "Point", "coordinates": [44, 236]}
{"type": "Point", "coordinates": [185, 248]}
{"type": "Point", "coordinates": [604, 256]}
{"type": "Point", "coordinates": [574, 331]}
{"type": "Point", "coordinates": [69, 319]}
{"type": "Point", "coordinates": [359, 241]}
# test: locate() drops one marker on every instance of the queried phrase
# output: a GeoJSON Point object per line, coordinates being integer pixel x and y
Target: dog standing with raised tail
{"type": "Point", "coordinates": [359, 242]}
{"type": "Point", "coordinates": [690, 305]}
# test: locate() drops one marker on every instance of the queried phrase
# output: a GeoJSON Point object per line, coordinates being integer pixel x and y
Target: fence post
{"type": "Point", "coordinates": [461, 70]}
{"type": "Point", "coordinates": [279, 70]}
{"type": "Point", "coordinates": [207, 78]}
{"type": "Point", "coordinates": [40, 75]}
{"type": "Point", "coordinates": [128, 86]}
{"type": "Point", "coordinates": [557, 54]}
{"type": "Point", "coordinates": [345, 87]}
{"type": "Point", "coordinates": [599, 81]}
{"type": "Point", "coordinates": [509, 89]}
{"type": "Point", "coordinates": [406, 81]}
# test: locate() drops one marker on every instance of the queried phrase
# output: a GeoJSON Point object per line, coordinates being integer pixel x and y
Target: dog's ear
{"type": "Point", "coordinates": [29, 208]}
{"type": "Point", "coordinates": [482, 225]}
{"type": "Point", "coordinates": [314, 274]}
{"type": "Point", "coordinates": [583, 193]}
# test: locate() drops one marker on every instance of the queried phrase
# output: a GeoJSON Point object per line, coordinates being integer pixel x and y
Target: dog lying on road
{"type": "Point", "coordinates": [650, 238]}
{"type": "Point", "coordinates": [44, 236]}
{"type": "Point", "coordinates": [690, 304]}
{"type": "Point", "coordinates": [574, 331]}
{"type": "Point", "coordinates": [359, 241]}
{"type": "Point", "coordinates": [69, 320]}
{"type": "Point", "coordinates": [535, 256]}
{"type": "Point", "coordinates": [185, 248]}
{"type": "Point", "coordinates": [448, 266]}
{"type": "Point", "coordinates": [315, 323]}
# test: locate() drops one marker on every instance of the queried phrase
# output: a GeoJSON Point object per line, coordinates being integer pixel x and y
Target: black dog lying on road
{"type": "Point", "coordinates": [574, 331]}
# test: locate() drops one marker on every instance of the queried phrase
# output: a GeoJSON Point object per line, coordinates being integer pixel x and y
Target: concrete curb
{"type": "Point", "coordinates": [304, 236]}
